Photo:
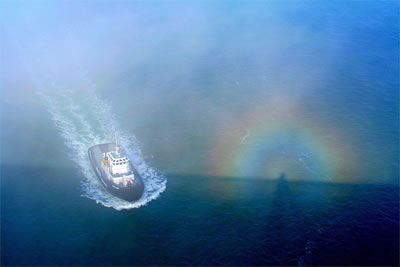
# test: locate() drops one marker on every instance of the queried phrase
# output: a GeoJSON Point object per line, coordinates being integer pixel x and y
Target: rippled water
{"type": "Point", "coordinates": [200, 221]}
{"type": "Point", "coordinates": [267, 132]}
{"type": "Point", "coordinates": [85, 120]}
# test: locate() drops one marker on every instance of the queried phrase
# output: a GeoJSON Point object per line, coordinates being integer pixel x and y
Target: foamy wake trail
{"type": "Point", "coordinates": [84, 120]}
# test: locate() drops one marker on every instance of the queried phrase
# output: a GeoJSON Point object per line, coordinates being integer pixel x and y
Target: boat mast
{"type": "Point", "coordinates": [116, 145]}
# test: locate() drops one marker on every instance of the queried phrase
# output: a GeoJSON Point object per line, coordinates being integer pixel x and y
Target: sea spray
{"type": "Point", "coordinates": [83, 120]}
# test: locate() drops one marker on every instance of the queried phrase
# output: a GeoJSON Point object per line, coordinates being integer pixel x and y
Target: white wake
{"type": "Point", "coordinates": [84, 120]}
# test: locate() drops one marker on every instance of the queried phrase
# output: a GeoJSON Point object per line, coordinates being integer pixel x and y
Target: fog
{"type": "Point", "coordinates": [195, 81]}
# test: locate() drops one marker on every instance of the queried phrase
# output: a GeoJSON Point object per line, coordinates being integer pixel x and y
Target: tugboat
{"type": "Point", "coordinates": [115, 171]}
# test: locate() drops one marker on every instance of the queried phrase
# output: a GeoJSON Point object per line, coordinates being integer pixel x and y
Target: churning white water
{"type": "Point", "coordinates": [84, 120]}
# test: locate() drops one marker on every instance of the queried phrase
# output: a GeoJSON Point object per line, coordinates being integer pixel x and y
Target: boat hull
{"type": "Point", "coordinates": [129, 193]}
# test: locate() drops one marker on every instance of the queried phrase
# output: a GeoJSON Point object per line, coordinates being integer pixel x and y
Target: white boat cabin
{"type": "Point", "coordinates": [117, 167]}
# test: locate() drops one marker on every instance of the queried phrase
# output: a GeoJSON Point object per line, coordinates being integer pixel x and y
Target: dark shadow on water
{"type": "Point", "coordinates": [278, 230]}
{"type": "Point", "coordinates": [198, 220]}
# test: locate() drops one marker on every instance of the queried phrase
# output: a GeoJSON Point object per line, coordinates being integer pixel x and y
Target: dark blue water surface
{"type": "Point", "coordinates": [267, 132]}
{"type": "Point", "coordinates": [198, 222]}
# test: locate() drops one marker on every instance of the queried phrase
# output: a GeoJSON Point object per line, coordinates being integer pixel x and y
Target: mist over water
{"type": "Point", "coordinates": [241, 89]}
{"type": "Point", "coordinates": [267, 132]}
{"type": "Point", "coordinates": [84, 120]}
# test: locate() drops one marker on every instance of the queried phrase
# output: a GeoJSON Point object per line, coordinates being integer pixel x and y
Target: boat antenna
{"type": "Point", "coordinates": [116, 145]}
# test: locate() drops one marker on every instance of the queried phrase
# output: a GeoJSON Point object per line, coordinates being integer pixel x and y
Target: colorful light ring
{"type": "Point", "coordinates": [259, 144]}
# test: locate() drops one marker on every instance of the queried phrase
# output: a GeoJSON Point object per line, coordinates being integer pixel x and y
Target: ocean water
{"type": "Point", "coordinates": [195, 223]}
{"type": "Point", "coordinates": [266, 132]}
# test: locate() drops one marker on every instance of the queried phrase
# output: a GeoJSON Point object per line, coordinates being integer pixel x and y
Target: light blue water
{"type": "Point", "coordinates": [267, 132]}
